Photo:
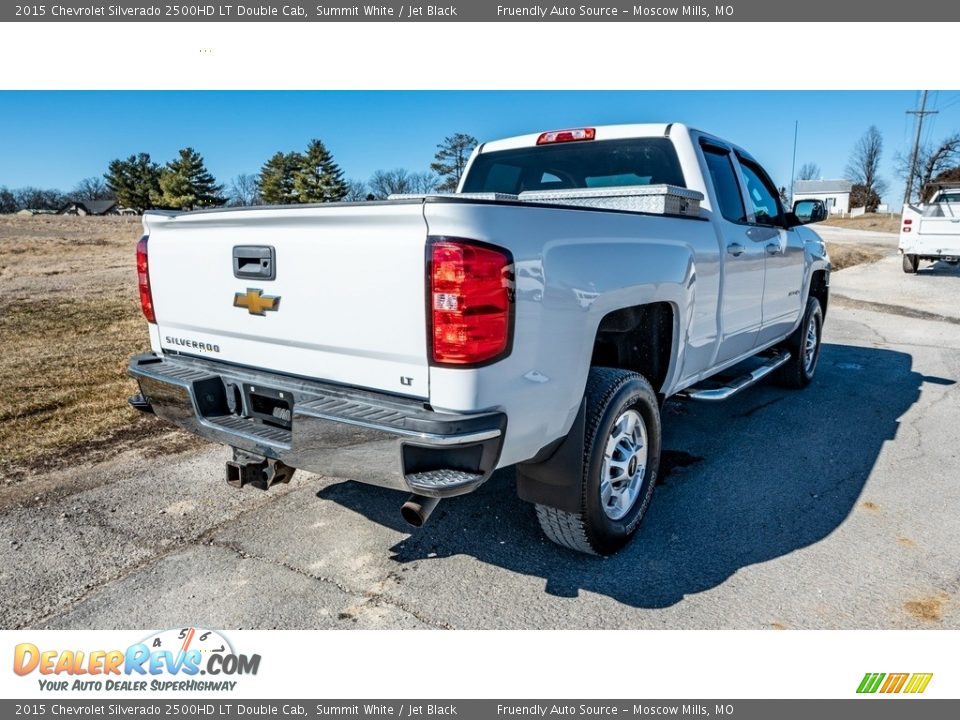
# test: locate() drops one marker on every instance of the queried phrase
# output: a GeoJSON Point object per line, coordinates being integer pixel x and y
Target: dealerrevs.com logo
{"type": "Point", "coordinates": [892, 683]}
{"type": "Point", "coordinates": [170, 660]}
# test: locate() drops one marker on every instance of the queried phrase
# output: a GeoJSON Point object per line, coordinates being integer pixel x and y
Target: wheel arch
{"type": "Point", "coordinates": [640, 338]}
{"type": "Point", "coordinates": [820, 288]}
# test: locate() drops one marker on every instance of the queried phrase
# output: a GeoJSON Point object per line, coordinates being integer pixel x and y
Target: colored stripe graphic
{"type": "Point", "coordinates": [894, 682]}
{"type": "Point", "coordinates": [870, 682]}
{"type": "Point", "coordinates": [918, 682]}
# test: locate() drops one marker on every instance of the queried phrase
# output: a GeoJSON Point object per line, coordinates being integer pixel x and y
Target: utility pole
{"type": "Point", "coordinates": [916, 143]}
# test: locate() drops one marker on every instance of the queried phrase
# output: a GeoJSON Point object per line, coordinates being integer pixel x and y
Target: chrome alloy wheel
{"type": "Point", "coordinates": [624, 465]}
{"type": "Point", "coordinates": [810, 346]}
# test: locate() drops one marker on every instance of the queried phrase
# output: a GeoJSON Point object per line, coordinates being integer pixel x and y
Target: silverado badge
{"type": "Point", "coordinates": [256, 302]}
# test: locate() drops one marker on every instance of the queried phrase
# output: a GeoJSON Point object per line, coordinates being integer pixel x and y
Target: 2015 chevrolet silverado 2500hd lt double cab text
{"type": "Point", "coordinates": [538, 317]}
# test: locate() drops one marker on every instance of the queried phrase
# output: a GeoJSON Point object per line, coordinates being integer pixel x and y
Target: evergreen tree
{"type": "Point", "coordinates": [951, 175]}
{"type": "Point", "coordinates": [276, 178]}
{"type": "Point", "coordinates": [863, 196]}
{"type": "Point", "coordinates": [134, 181]}
{"type": "Point", "coordinates": [451, 160]}
{"type": "Point", "coordinates": [185, 183]}
{"type": "Point", "coordinates": [8, 203]}
{"type": "Point", "coordinates": [319, 179]}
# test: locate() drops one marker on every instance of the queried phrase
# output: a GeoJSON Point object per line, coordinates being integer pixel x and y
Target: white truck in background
{"type": "Point", "coordinates": [539, 317]}
{"type": "Point", "coordinates": [931, 230]}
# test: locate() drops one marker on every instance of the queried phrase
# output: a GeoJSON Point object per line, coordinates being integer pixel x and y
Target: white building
{"type": "Point", "coordinates": [834, 193]}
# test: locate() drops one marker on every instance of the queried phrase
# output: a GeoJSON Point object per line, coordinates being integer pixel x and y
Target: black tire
{"type": "Point", "coordinates": [910, 263]}
{"type": "Point", "coordinates": [610, 394]}
{"type": "Point", "coordinates": [798, 371]}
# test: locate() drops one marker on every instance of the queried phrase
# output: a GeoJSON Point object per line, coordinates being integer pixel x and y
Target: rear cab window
{"type": "Point", "coordinates": [589, 164]}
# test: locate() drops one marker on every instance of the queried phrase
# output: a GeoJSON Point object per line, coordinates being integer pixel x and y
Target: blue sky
{"type": "Point", "coordinates": [54, 139]}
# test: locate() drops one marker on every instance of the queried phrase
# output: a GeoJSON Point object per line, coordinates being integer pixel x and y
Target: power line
{"type": "Point", "coordinates": [920, 114]}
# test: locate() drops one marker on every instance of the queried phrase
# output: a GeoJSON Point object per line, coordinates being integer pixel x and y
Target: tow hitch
{"type": "Point", "coordinates": [257, 470]}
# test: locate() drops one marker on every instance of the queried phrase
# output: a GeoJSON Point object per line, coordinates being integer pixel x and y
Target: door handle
{"type": "Point", "coordinates": [735, 249]}
{"type": "Point", "coordinates": [255, 262]}
{"type": "Point", "coordinates": [773, 248]}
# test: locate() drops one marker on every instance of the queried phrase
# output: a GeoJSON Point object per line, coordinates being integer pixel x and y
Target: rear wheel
{"type": "Point", "coordinates": [620, 463]}
{"type": "Point", "coordinates": [910, 263]}
{"type": "Point", "coordinates": [804, 348]}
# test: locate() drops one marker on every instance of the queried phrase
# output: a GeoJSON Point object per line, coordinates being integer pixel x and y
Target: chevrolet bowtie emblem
{"type": "Point", "coordinates": [256, 302]}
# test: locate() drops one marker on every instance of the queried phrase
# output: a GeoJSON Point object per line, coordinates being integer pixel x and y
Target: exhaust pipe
{"type": "Point", "coordinates": [416, 510]}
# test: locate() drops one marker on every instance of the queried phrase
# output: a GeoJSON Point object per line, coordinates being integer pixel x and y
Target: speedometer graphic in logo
{"type": "Point", "coordinates": [183, 640]}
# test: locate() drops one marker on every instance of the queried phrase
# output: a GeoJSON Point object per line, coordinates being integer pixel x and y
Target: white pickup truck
{"type": "Point", "coordinates": [931, 230]}
{"type": "Point", "coordinates": [538, 317]}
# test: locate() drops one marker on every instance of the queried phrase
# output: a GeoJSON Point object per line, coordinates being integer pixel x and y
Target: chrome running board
{"type": "Point", "coordinates": [741, 383]}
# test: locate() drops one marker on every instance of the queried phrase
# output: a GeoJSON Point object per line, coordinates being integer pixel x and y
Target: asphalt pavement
{"type": "Point", "coordinates": [831, 507]}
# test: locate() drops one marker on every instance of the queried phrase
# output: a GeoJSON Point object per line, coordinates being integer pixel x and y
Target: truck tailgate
{"type": "Point", "coordinates": [346, 305]}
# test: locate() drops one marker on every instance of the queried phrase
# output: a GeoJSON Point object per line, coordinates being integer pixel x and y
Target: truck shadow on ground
{"type": "Point", "coordinates": [745, 481]}
{"type": "Point", "coordinates": [939, 269]}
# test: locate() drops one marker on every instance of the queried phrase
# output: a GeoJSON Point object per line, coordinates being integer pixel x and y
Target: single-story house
{"type": "Point", "coordinates": [834, 193]}
{"type": "Point", "coordinates": [90, 207]}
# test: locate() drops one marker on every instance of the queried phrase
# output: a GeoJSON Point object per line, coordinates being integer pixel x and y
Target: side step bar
{"type": "Point", "coordinates": [740, 383]}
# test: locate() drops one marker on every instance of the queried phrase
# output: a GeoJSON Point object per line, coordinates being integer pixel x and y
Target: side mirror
{"type": "Point", "coordinates": [809, 211]}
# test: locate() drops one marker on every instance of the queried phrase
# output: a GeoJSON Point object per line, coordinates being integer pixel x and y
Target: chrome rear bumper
{"type": "Point", "coordinates": [344, 432]}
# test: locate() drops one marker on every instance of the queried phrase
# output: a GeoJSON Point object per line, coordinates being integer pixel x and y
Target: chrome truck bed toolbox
{"type": "Point", "coordinates": [657, 199]}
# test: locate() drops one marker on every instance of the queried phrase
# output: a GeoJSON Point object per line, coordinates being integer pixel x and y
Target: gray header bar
{"type": "Point", "coordinates": [859, 11]}
{"type": "Point", "coordinates": [225, 708]}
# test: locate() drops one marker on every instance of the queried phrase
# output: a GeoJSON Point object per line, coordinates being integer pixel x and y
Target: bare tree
{"type": "Point", "coordinates": [244, 191]}
{"type": "Point", "coordinates": [932, 160]}
{"type": "Point", "coordinates": [863, 167]}
{"type": "Point", "coordinates": [92, 188]}
{"type": "Point", "coordinates": [390, 182]}
{"type": "Point", "coordinates": [808, 171]}
{"type": "Point", "coordinates": [33, 198]}
{"type": "Point", "coordinates": [424, 182]}
{"type": "Point", "coordinates": [357, 191]}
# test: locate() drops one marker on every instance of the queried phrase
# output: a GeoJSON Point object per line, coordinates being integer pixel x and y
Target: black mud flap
{"type": "Point", "coordinates": [557, 481]}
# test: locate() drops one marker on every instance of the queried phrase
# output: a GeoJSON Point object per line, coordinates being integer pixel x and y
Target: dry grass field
{"type": "Point", "coordinates": [69, 320]}
{"type": "Point", "coordinates": [844, 255]}
{"type": "Point", "coordinates": [874, 222]}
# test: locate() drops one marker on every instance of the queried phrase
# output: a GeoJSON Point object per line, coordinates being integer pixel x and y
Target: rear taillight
{"type": "Point", "coordinates": [143, 281]}
{"type": "Point", "coordinates": [906, 224]}
{"type": "Point", "coordinates": [471, 302]}
{"type": "Point", "coordinates": [562, 136]}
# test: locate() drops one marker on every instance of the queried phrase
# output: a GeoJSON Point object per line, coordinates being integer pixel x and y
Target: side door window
{"type": "Point", "coordinates": [761, 194]}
